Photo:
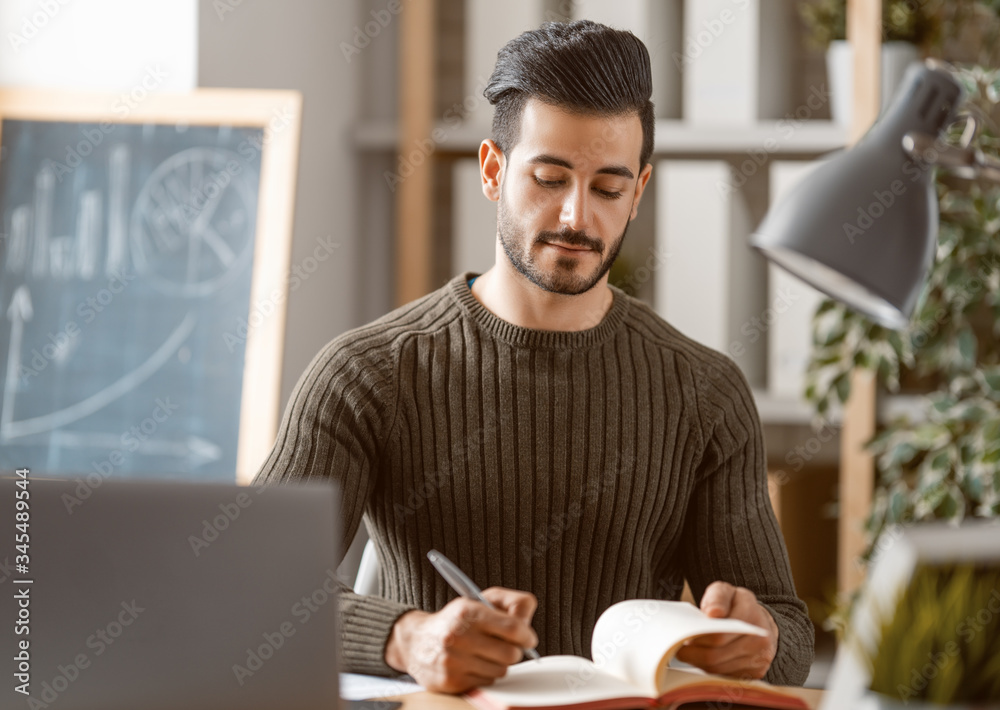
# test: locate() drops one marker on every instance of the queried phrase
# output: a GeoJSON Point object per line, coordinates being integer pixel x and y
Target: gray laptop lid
{"type": "Point", "coordinates": [158, 595]}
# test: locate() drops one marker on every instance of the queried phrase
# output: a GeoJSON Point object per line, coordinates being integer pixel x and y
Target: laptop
{"type": "Point", "coordinates": [139, 595]}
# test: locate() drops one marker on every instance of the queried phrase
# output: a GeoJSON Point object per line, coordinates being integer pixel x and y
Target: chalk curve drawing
{"type": "Point", "coordinates": [11, 429]}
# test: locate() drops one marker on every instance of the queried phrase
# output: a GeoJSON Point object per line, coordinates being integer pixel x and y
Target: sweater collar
{"type": "Point", "coordinates": [529, 337]}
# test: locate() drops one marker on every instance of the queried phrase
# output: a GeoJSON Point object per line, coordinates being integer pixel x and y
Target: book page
{"type": "Point", "coordinates": [552, 681]}
{"type": "Point", "coordinates": [635, 640]}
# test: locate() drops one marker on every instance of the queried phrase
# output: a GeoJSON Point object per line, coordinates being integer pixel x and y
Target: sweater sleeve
{"type": "Point", "coordinates": [334, 427]}
{"type": "Point", "coordinates": [730, 532]}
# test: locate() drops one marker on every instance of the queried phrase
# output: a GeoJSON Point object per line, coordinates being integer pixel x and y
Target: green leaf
{"type": "Point", "coordinates": [941, 462]}
{"type": "Point", "coordinates": [843, 387]}
{"type": "Point", "coordinates": [992, 379]}
{"type": "Point", "coordinates": [967, 346]}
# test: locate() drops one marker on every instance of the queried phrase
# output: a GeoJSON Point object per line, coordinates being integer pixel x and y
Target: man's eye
{"type": "Point", "coordinates": [608, 194]}
{"type": "Point", "coordinates": [547, 183]}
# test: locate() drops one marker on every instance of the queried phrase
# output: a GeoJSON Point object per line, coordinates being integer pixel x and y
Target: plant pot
{"type": "Point", "coordinates": [896, 56]}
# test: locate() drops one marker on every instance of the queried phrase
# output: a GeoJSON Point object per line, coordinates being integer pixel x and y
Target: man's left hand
{"type": "Point", "coordinates": [738, 655]}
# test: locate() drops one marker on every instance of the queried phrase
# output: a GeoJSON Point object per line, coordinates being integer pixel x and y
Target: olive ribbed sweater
{"type": "Point", "coordinates": [586, 467]}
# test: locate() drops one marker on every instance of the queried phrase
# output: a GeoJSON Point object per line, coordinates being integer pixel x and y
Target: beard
{"type": "Point", "coordinates": [568, 277]}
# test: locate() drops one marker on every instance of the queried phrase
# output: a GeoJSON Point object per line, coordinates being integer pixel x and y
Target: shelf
{"type": "Point", "coordinates": [775, 137]}
{"type": "Point", "coordinates": [781, 137]}
{"type": "Point", "coordinates": [790, 411]}
{"type": "Point", "coordinates": [782, 410]}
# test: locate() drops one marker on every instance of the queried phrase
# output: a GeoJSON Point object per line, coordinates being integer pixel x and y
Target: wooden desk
{"type": "Point", "coordinates": [436, 701]}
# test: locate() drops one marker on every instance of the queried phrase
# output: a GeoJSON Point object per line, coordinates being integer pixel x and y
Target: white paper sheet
{"type": "Point", "coordinates": [354, 686]}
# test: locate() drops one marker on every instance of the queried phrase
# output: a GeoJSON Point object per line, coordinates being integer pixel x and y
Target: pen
{"type": "Point", "coordinates": [461, 583]}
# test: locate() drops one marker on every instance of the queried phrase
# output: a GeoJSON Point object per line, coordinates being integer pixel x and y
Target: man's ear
{"type": "Point", "coordinates": [491, 166]}
{"type": "Point", "coordinates": [639, 188]}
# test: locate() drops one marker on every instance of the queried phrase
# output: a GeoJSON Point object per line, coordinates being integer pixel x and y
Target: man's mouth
{"type": "Point", "coordinates": [568, 247]}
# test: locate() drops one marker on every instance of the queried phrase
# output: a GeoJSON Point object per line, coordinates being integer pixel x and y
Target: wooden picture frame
{"type": "Point", "coordinates": [277, 116]}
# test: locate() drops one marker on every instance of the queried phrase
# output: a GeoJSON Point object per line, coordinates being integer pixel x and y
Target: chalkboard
{"type": "Point", "coordinates": [139, 284]}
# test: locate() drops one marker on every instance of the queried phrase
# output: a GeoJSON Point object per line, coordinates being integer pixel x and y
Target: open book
{"type": "Point", "coordinates": [633, 644]}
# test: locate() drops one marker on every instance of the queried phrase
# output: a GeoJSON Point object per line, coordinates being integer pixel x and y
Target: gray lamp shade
{"type": "Point", "coordinates": [863, 227]}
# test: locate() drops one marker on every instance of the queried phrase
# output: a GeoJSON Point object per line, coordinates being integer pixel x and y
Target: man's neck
{"type": "Point", "coordinates": [510, 296]}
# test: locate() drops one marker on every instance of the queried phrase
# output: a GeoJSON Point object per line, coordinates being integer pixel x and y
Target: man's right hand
{"type": "Point", "coordinates": [466, 644]}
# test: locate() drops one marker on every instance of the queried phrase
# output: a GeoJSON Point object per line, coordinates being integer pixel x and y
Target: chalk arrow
{"type": "Point", "coordinates": [195, 450]}
{"type": "Point", "coordinates": [20, 305]}
{"type": "Point", "coordinates": [18, 313]}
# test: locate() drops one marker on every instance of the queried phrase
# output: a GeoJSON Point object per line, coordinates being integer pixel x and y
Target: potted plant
{"type": "Point", "coordinates": [944, 464]}
{"type": "Point", "coordinates": [906, 27]}
{"type": "Point", "coordinates": [940, 644]}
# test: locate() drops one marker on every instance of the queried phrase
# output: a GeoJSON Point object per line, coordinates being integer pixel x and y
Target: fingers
{"type": "Point", "coordinates": [740, 655]}
{"type": "Point", "coordinates": [491, 649]}
{"type": "Point", "coordinates": [475, 623]}
{"type": "Point", "coordinates": [718, 599]}
{"type": "Point", "coordinates": [712, 640]}
{"type": "Point", "coordinates": [745, 660]}
{"type": "Point", "coordinates": [746, 607]}
{"type": "Point", "coordinates": [741, 604]}
{"type": "Point", "coordinates": [753, 666]}
{"type": "Point", "coordinates": [710, 659]}
{"type": "Point", "coordinates": [463, 646]}
{"type": "Point", "coordinates": [511, 621]}
{"type": "Point", "coordinates": [515, 602]}
{"type": "Point", "coordinates": [466, 644]}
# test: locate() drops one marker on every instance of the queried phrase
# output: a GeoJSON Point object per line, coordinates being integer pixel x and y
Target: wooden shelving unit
{"type": "Point", "coordinates": [413, 202]}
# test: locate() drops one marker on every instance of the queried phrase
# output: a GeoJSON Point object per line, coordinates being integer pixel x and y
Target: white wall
{"type": "Point", "coordinates": [100, 45]}
{"type": "Point", "coordinates": [296, 44]}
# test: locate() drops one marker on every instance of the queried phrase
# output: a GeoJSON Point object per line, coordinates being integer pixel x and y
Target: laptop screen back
{"type": "Point", "coordinates": [166, 595]}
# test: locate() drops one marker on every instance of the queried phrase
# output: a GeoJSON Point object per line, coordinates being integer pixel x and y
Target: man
{"type": "Point", "coordinates": [554, 437]}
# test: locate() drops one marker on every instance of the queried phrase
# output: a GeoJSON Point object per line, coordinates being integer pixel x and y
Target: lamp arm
{"type": "Point", "coordinates": [965, 161]}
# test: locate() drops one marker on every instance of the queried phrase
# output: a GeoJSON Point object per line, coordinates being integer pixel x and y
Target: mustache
{"type": "Point", "coordinates": [571, 238]}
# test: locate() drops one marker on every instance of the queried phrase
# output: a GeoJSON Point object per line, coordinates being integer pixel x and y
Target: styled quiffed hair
{"type": "Point", "coordinates": [583, 67]}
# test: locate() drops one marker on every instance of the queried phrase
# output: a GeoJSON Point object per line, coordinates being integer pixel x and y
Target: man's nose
{"type": "Point", "coordinates": [576, 209]}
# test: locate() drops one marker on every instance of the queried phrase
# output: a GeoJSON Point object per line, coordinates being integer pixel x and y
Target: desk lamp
{"type": "Point", "coordinates": [863, 227]}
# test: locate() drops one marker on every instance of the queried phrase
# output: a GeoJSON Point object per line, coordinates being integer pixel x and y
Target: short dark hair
{"type": "Point", "coordinates": [583, 67]}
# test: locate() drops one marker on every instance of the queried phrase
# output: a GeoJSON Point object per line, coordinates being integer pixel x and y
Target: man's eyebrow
{"type": "Point", "coordinates": [544, 159]}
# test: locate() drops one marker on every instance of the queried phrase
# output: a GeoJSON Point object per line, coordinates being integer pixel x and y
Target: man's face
{"type": "Point", "coordinates": [568, 191]}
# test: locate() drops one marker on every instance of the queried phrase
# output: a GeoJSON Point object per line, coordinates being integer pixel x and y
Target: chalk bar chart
{"type": "Point", "coordinates": [125, 275]}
